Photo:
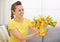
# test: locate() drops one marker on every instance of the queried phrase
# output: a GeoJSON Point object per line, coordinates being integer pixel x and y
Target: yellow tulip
{"type": "Point", "coordinates": [46, 23]}
{"type": "Point", "coordinates": [54, 24]}
{"type": "Point", "coordinates": [42, 33]}
{"type": "Point", "coordinates": [32, 24]}
{"type": "Point", "coordinates": [40, 24]}
{"type": "Point", "coordinates": [38, 20]}
{"type": "Point", "coordinates": [37, 24]}
{"type": "Point", "coordinates": [48, 18]}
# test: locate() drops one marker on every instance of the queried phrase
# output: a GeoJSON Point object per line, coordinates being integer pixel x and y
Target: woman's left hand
{"type": "Point", "coordinates": [37, 35]}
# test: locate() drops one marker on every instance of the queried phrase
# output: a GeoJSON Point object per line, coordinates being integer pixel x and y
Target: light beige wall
{"type": "Point", "coordinates": [2, 11]}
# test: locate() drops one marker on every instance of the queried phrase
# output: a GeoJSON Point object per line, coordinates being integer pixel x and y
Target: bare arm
{"type": "Point", "coordinates": [16, 34]}
{"type": "Point", "coordinates": [34, 30]}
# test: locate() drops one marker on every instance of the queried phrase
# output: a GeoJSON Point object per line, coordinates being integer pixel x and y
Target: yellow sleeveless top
{"type": "Point", "coordinates": [21, 27]}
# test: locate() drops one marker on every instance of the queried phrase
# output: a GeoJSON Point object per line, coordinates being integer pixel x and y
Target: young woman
{"type": "Point", "coordinates": [18, 25]}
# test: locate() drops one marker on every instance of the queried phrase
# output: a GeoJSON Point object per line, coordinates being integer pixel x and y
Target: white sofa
{"type": "Point", "coordinates": [53, 35]}
{"type": "Point", "coordinates": [4, 36]}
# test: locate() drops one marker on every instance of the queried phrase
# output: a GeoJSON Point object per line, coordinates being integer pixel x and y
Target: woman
{"type": "Point", "coordinates": [18, 25]}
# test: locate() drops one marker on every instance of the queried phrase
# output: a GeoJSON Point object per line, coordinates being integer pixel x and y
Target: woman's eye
{"type": "Point", "coordinates": [22, 9]}
{"type": "Point", "coordinates": [19, 10]}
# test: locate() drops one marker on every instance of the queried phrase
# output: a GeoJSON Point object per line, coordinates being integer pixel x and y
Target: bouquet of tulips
{"type": "Point", "coordinates": [41, 24]}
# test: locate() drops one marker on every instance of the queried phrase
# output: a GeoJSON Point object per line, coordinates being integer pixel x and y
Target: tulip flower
{"type": "Point", "coordinates": [42, 23]}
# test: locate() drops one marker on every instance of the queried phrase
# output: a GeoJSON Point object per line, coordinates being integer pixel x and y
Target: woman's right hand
{"type": "Point", "coordinates": [37, 34]}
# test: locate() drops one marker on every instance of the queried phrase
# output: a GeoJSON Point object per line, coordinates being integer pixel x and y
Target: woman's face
{"type": "Point", "coordinates": [19, 11]}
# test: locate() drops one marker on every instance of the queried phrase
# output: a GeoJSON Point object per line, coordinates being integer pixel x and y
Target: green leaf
{"type": "Point", "coordinates": [51, 24]}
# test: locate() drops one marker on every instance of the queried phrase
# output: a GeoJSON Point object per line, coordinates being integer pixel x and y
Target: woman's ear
{"type": "Point", "coordinates": [12, 11]}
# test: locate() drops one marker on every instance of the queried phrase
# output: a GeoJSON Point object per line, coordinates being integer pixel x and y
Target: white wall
{"type": "Point", "coordinates": [33, 8]}
{"type": "Point", "coordinates": [2, 11]}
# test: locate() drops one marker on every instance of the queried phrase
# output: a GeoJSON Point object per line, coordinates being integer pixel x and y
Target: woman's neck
{"type": "Point", "coordinates": [18, 20]}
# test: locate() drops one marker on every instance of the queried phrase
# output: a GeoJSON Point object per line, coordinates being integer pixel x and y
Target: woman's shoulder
{"type": "Point", "coordinates": [11, 21]}
{"type": "Point", "coordinates": [26, 19]}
